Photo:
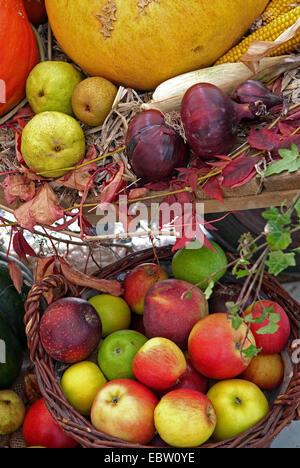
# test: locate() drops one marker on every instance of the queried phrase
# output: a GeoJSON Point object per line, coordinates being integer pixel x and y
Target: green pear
{"type": "Point", "coordinates": [12, 412]}
{"type": "Point", "coordinates": [51, 143]}
{"type": "Point", "coordinates": [50, 86]}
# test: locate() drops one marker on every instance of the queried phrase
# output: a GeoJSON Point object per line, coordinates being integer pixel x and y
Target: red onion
{"type": "Point", "coordinates": [252, 91]}
{"type": "Point", "coordinates": [211, 119]}
{"type": "Point", "coordinates": [154, 149]}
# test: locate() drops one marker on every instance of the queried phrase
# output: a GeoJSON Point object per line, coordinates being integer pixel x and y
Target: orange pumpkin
{"type": "Point", "coordinates": [140, 43]}
{"type": "Point", "coordinates": [19, 53]}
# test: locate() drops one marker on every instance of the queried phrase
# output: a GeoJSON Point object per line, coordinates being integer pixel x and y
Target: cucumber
{"type": "Point", "coordinates": [12, 304]}
{"type": "Point", "coordinates": [11, 356]}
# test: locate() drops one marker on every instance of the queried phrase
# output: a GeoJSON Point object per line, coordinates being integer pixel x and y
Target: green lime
{"type": "Point", "coordinates": [117, 352]}
{"type": "Point", "coordinates": [195, 262]}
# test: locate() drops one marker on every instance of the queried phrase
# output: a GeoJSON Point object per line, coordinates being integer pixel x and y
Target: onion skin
{"type": "Point", "coordinates": [154, 149]}
{"type": "Point", "coordinates": [252, 91]}
{"type": "Point", "coordinates": [211, 119]}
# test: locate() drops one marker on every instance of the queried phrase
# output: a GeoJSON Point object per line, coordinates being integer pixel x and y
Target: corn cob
{"type": "Point", "coordinates": [168, 95]}
{"type": "Point", "coordinates": [270, 32]}
{"type": "Point", "coordinates": [277, 8]}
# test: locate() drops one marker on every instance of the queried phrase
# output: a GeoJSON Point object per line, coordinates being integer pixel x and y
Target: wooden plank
{"type": "Point", "coordinates": [276, 190]}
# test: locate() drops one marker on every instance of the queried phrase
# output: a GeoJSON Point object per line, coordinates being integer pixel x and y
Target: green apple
{"type": "Point", "coordinates": [50, 86]}
{"type": "Point", "coordinates": [117, 351]}
{"type": "Point", "coordinates": [12, 412]}
{"type": "Point", "coordinates": [239, 405]}
{"type": "Point", "coordinates": [51, 143]}
{"type": "Point", "coordinates": [114, 312]}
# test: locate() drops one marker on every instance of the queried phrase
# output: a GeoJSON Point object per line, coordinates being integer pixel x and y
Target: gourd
{"type": "Point", "coordinates": [141, 43]}
{"type": "Point", "coordinates": [19, 53]}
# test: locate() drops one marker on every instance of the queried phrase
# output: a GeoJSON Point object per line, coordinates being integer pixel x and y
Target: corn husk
{"type": "Point", "coordinates": [168, 95]}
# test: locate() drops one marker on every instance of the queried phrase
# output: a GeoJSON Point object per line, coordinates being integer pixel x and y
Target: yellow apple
{"type": "Point", "coordinates": [80, 384]}
{"type": "Point", "coordinates": [185, 418]}
{"type": "Point", "coordinates": [239, 405]}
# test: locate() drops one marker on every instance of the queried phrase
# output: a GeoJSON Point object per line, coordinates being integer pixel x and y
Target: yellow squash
{"type": "Point", "coordinates": [141, 43]}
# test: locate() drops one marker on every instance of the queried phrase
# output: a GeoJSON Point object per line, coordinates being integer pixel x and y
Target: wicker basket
{"type": "Point", "coordinates": [285, 406]}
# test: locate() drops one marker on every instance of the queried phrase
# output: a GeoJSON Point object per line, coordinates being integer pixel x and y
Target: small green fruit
{"type": "Point", "coordinates": [52, 142]}
{"type": "Point", "coordinates": [12, 412]}
{"type": "Point", "coordinates": [50, 86]}
{"type": "Point", "coordinates": [117, 352]}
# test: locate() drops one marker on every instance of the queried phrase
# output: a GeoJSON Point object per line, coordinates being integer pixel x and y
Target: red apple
{"type": "Point", "coordinates": [70, 330]}
{"type": "Point", "coordinates": [124, 408]}
{"type": "Point", "coordinates": [270, 343]}
{"type": "Point", "coordinates": [266, 371]}
{"type": "Point", "coordinates": [190, 379]}
{"type": "Point", "coordinates": [172, 307]}
{"type": "Point", "coordinates": [138, 282]}
{"type": "Point", "coordinates": [159, 363]}
{"type": "Point", "coordinates": [215, 347]}
{"type": "Point", "coordinates": [40, 429]}
{"type": "Point", "coordinates": [185, 418]}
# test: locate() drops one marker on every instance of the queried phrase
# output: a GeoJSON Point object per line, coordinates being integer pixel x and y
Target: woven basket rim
{"type": "Point", "coordinates": [285, 408]}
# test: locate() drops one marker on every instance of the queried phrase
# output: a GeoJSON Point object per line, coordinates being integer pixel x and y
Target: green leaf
{"type": "Point", "coordinates": [297, 250]}
{"type": "Point", "coordinates": [273, 214]}
{"type": "Point", "coordinates": [290, 162]}
{"type": "Point", "coordinates": [232, 308]}
{"type": "Point", "coordinates": [252, 351]}
{"type": "Point", "coordinates": [236, 321]}
{"type": "Point", "coordinates": [269, 329]}
{"type": "Point", "coordinates": [297, 207]}
{"type": "Point", "coordinates": [279, 238]}
{"type": "Point", "coordinates": [243, 272]}
{"type": "Point", "coordinates": [209, 290]}
{"type": "Point", "coordinates": [280, 261]}
{"type": "Point", "coordinates": [188, 295]}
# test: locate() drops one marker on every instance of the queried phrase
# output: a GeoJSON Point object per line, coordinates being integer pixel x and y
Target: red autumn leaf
{"type": "Point", "coordinates": [77, 278]}
{"type": "Point", "coordinates": [24, 113]}
{"type": "Point", "coordinates": [238, 170]}
{"type": "Point", "coordinates": [264, 139]}
{"type": "Point", "coordinates": [111, 189]}
{"type": "Point", "coordinates": [287, 128]}
{"type": "Point", "coordinates": [79, 178]}
{"type": "Point", "coordinates": [30, 174]}
{"type": "Point", "coordinates": [246, 180]}
{"type": "Point", "coordinates": [286, 143]}
{"type": "Point", "coordinates": [45, 267]}
{"type": "Point", "coordinates": [138, 193]}
{"type": "Point", "coordinates": [16, 275]}
{"type": "Point", "coordinates": [191, 177]}
{"type": "Point", "coordinates": [43, 209]}
{"type": "Point", "coordinates": [190, 227]}
{"type": "Point", "coordinates": [21, 246]}
{"type": "Point", "coordinates": [87, 227]}
{"type": "Point", "coordinates": [212, 188]}
{"type": "Point", "coordinates": [18, 186]}
{"type": "Point", "coordinates": [294, 115]}
{"type": "Point", "coordinates": [157, 186]}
